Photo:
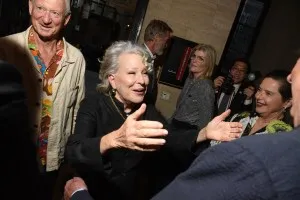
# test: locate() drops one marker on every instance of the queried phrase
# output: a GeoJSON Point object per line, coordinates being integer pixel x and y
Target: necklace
{"type": "Point", "coordinates": [116, 107]}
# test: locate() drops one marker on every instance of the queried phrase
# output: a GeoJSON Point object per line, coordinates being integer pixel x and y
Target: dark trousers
{"type": "Point", "coordinates": [46, 185]}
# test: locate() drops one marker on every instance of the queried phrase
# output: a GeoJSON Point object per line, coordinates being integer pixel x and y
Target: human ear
{"type": "Point", "coordinates": [288, 104]}
{"type": "Point", "coordinates": [111, 79]}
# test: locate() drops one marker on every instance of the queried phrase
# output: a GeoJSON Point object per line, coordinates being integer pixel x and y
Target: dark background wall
{"type": "Point", "coordinates": [279, 37]}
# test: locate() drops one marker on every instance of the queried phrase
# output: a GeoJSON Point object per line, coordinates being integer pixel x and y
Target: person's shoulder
{"type": "Point", "coordinates": [82, 195]}
{"type": "Point", "coordinates": [264, 145]}
{"type": "Point", "coordinates": [13, 38]}
{"type": "Point", "coordinates": [205, 83]}
{"type": "Point", "coordinates": [94, 104]}
{"type": "Point", "coordinates": [292, 137]}
{"type": "Point", "coordinates": [15, 35]}
{"type": "Point", "coordinates": [269, 147]}
{"type": "Point", "coordinates": [95, 99]}
{"type": "Point", "coordinates": [73, 51]}
{"type": "Point", "coordinates": [280, 155]}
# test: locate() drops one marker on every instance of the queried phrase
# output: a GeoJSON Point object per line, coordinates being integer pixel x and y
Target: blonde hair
{"type": "Point", "coordinates": [211, 56]}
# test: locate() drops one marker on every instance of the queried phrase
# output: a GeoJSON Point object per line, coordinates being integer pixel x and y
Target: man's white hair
{"type": "Point", "coordinates": [68, 7]}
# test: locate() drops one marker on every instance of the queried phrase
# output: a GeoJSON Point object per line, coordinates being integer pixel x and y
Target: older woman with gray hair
{"type": "Point", "coordinates": [116, 132]}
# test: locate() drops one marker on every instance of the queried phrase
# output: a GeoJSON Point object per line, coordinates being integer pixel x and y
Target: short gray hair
{"type": "Point", "coordinates": [68, 7]}
{"type": "Point", "coordinates": [110, 63]}
{"type": "Point", "coordinates": [156, 27]}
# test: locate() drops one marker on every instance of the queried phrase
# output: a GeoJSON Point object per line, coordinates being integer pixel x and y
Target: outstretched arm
{"type": "Point", "coordinates": [219, 130]}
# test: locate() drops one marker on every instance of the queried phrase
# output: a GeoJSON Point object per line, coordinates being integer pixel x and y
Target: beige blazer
{"type": "Point", "coordinates": [68, 91]}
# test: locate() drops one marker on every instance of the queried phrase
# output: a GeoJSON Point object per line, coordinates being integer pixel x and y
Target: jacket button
{"type": "Point", "coordinates": [37, 104]}
{"type": "Point", "coordinates": [35, 126]}
{"type": "Point", "coordinates": [40, 80]}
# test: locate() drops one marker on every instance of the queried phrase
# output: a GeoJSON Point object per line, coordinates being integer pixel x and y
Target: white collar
{"type": "Point", "coordinates": [150, 53]}
{"type": "Point", "coordinates": [236, 87]}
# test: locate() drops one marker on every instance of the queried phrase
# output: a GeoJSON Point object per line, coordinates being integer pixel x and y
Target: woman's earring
{"type": "Point", "coordinates": [113, 91]}
{"type": "Point", "coordinates": [284, 109]}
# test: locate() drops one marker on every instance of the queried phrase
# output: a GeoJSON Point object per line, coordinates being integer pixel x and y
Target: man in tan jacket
{"type": "Point", "coordinates": [53, 73]}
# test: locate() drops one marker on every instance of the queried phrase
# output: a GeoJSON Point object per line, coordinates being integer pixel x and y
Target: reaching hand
{"type": "Point", "coordinates": [73, 185]}
{"type": "Point", "coordinates": [142, 135]}
{"type": "Point", "coordinates": [218, 129]}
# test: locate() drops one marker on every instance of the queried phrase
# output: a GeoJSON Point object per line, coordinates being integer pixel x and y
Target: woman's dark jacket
{"type": "Point", "coordinates": [123, 173]}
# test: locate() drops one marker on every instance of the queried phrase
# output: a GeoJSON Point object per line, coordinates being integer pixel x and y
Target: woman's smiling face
{"type": "Point", "coordinates": [268, 98]}
{"type": "Point", "coordinates": [131, 79]}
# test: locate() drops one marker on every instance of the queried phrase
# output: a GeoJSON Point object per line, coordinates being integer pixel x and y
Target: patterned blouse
{"type": "Point", "coordinates": [248, 120]}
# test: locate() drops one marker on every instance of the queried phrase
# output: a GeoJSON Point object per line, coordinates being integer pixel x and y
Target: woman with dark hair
{"type": "Point", "coordinates": [273, 100]}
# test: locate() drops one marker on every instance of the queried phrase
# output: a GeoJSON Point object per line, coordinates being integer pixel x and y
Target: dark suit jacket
{"type": "Point", "coordinates": [262, 167]}
{"type": "Point", "coordinates": [251, 168]}
{"type": "Point", "coordinates": [237, 104]}
{"type": "Point", "coordinates": [81, 195]}
{"type": "Point", "coordinates": [123, 173]}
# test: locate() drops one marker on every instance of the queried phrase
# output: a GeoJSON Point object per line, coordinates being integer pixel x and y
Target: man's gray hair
{"type": "Point", "coordinates": [156, 27]}
{"type": "Point", "coordinates": [68, 7]}
{"type": "Point", "coordinates": [110, 63]}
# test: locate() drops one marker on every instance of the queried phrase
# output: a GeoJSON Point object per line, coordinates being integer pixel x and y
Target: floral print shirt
{"type": "Point", "coordinates": [248, 120]}
{"type": "Point", "coordinates": [48, 73]}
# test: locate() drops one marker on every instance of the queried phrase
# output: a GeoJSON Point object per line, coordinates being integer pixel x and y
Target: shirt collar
{"type": "Point", "coordinates": [149, 52]}
{"type": "Point", "coordinates": [236, 87]}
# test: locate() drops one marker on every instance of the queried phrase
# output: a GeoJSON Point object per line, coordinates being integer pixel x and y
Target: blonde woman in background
{"type": "Point", "coordinates": [195, 105]}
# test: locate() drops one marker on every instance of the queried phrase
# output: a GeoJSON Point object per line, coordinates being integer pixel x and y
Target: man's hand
{"type": "Point", "coordinates": [73, 185]}
{"type": "Point", "coordinates": [249, 92]}
{"type": "Point", "coordinates": [219, 81]}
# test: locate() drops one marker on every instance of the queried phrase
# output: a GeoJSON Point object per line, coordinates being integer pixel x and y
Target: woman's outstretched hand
{"type": "Point", "coordinates": [218, 129]}
{"type": "Point", "coordinates": [142, 135]}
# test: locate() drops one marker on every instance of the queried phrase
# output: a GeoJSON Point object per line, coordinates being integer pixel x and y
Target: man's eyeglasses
{"type": "Point", "coordinates": [242, 71]}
